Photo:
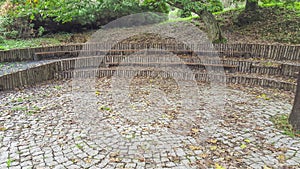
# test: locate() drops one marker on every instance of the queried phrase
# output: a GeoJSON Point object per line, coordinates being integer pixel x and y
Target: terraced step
{"type": "Point", "coordinates": [238, 65]}
{"type": "Point", "coordinates": [76, 53]}
{"type": "Point", "coordinates": [63, 68]}
{"type": "Point", "coordinates": [265, 51]}
{"type": "Point", "coordinates": [182, 74]}
{"type": "Point", "coordinates": [230, 64]}
{"type": "Point", "coordinates": [174, 64]}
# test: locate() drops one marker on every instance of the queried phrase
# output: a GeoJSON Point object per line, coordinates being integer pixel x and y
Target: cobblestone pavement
{"type": "Point", "coordinates": [42, 128]}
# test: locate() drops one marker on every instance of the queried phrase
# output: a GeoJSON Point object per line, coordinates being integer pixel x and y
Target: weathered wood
{"type": "Point", "coordinates": [275, 52]}
{"type": "Point", "coordinates": [193, 58]}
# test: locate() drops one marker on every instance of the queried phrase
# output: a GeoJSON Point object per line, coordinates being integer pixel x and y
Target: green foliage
{"type": "Point", "coordinates": [270, 1]}
{"type": "Point", "coordinates": [36, 17]}
{"type": "Point", "coordinates": [223, 40]}
{"type": "Point", "coordinates": [27, 17]}
{"type": "Point", "coordinates": [12, 44]}
{"type": "Point", "coordinates": [215, 6]}
{"type": "Point", "coordinates": [8, 162]}
{"type": "Point", "coordinates": [79, 146]}
{"type": "Point", "coordinates": [58, 87]}
{"type": "Point", "coordinates": [12, 28]}
{"type": "Point", "coordinates": [196, 6]}
{"type": "Point", "coordinates": [105, 108]}
{"type": "Point", "coordinates": [184, 13]}
{"type": "Point", "coordinates": [155, 6]}
{"type": "Point", "coordinates": [41, 31]}
{"type": "Point", "coordinates": [2, 39]}
{"type": "Point", "coordinates": [189, 19]}
{"type": "Point", "coordinates": [290, 2]}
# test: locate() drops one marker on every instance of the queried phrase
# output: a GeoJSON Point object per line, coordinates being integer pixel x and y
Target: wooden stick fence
{"type": "Point", "coordinates": [65, 69]}
{"type": "Point", "coordinates": [60, 69]}
{"type": "Point", "coordinates": [266, 51]}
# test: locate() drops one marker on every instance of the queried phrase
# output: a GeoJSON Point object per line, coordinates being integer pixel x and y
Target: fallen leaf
{"type": "Point", "coordinates": [114, 154]}
{"type": "Point", "coordinates": [218, 166]}
{"type": "Point", "coordinates": [142, 159]}
{"type": "Point", "coordinates": [281, 158]}
{"type": "Point", "coordinates": [214, 141]}
{"type": "Point", "coordinates": [2, 128]}
{"type": "Point", "coordinates": [114, 160]}
{"type": "Point", "coordinates": [243, 146]}
{"type": "Point", "coordinates": [247, 140]}
{"type": "Point", "coordinates": [282, 149]}
{"type": "Point", "coordinates": [88, 160]}
{"type": "Point", "coordinates": [97, 93]}
{"type": "Point", "coordinates": [266, 167]}
{"type": "Point", "coordinates": [194, 130]}
{"type": "Point", "coordinates": [203, 155]}
{"type": "Point", "coordinates": [213, 148]}
{"type": "Point", "coordinates": [195, 147]}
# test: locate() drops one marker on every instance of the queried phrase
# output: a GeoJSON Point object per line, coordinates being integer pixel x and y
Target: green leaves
{"type": "Point", "coordinates": [8, 162]}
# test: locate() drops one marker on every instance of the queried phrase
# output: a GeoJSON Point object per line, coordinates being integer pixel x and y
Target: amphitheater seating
{"type": "Point", "coordinates": [251, 64]}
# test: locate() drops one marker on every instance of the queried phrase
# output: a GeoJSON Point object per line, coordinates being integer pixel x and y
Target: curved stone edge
{"type": "Point", "coordinates": [264, 51]}
{"type": "Point", "coordinates": [59, 70]}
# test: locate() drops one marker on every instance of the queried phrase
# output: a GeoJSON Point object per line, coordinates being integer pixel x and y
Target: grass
{"type": "Point", "coordinates": [57, 87]}
{"type": "Point", "coordinates": [105, 108]}
{"type": "Point", "coordinates": [295, 7]}
{"type": "Point", "coordinates": [29, 111]}
{"type": "Point", "coordinates": [181, 19]}
{"type": "Point", "coordinates": [25, 43]}
{"type": "Point", "coordinates": [229, 10]}
{"type": "Point", "coordinates": [19, 99]}
{"type": "Point", "coordinates": [79, 146]}
{"type": "Point", "coordinates": [19, 108]}
{"type": "Point", "coordinates": [8, 162]}
{"type": "Point", "coordinates": [281, 122]}
{"type": "Point", "coordinates": [33, 110]}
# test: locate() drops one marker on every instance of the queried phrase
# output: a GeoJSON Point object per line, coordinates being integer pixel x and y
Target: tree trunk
{"type": "Point", "coordinates": [212, 26]}
{"type": "Point", "coordinates": [294, 118]}
{"type": "Point", "coordinates": [251, 5]}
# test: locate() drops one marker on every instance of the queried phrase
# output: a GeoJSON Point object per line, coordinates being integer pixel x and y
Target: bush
{"type": "Point", "coordinates": [215, 6]}
{"type": "Point", "coordinates": [13, 28]}
{"type": "Point", "coordinates": [184, 13]}
{"type": "Point", "coordinates": [2, 39]}
{"type": "Point", "coordinates": [34, 18]}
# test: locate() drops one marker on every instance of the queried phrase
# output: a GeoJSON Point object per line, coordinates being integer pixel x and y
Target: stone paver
{"type": "Point", "coordinates": [43, 128]}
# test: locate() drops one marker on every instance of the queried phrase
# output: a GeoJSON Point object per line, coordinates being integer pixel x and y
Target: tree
{"type": "Point", "coordinates": [294, 118]}
{"type": "Point", "coordinates": [250, 14]}
{"type": "Point", "coordinates": [251, 5]}
{"type": "Point", "coordinates": [59, 15]}
{"type": "Point", "coordinates": [72, 15]}
{"type": "Point", "coordinates": [201, 8]}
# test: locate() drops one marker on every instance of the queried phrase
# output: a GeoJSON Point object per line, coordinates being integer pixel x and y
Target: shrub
{"type": "Point", "coordinates": [2, 39]}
